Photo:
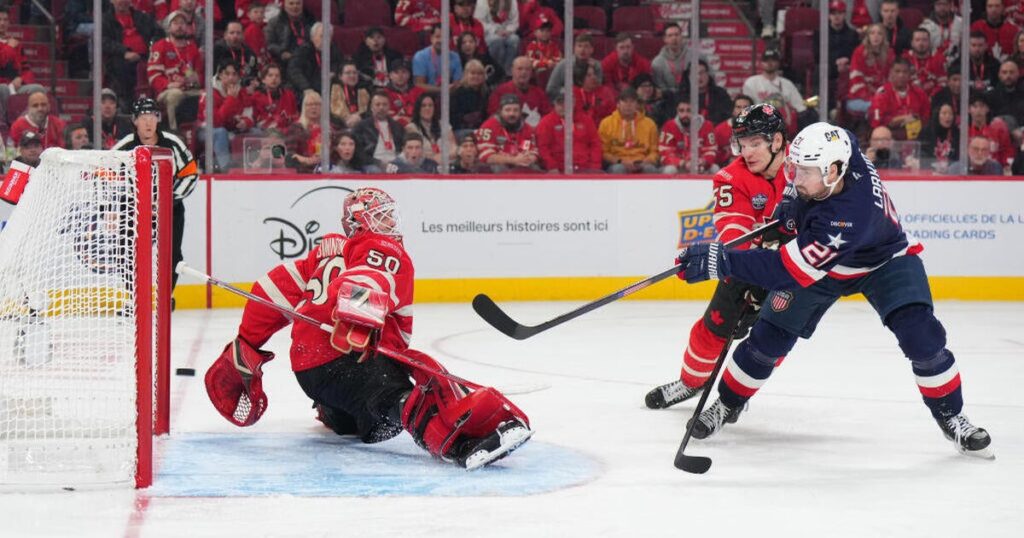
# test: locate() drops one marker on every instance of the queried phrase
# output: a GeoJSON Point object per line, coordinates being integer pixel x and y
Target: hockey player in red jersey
{"type": "Point", "coordinates": [746, 192]}
{"type": "Point", "coordinates": [362, 284]}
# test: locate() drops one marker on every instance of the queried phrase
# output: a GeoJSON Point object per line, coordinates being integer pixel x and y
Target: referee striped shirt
{"type": "Point", "coordinates": [186, 171]}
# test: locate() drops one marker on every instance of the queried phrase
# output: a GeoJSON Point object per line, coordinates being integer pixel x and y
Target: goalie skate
{"type": "Point", "coordinates": [507, 437]}
{"type": "Point", "coordinates": [670, 394]}
{"type": "Point", "coordinates": [713, 418]}
{"type": "Point", "coordinates": [967, 438]}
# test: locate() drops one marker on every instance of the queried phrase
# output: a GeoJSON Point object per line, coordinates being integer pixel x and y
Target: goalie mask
{"type": "Point", "coordinates": [370, 209]}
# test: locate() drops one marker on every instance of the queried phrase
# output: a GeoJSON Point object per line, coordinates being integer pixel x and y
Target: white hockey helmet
{"type": "Point", "coordinates": [821, 145]}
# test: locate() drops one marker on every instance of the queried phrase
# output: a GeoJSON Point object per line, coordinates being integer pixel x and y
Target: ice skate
{"type": "Point", "coordinates": [670, 394]}
{"type": "Point", "coordinates": [967, 438]}
{"type": "Point", "coordinates": [713, 418]}
{"type": "Point", "coordinates": [507, 437]}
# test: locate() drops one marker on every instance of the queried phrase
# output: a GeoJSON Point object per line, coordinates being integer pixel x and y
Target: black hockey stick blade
{"type": "Point", "coordinates": [486, 308]}
{"type": "Point", "coordinates": [692, 464]}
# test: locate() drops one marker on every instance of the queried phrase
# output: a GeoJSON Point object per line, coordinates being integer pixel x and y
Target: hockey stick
{"type": "Point", "coordinates": [183, 269]}
{"type": "Point", "coordinates": [701, 464]}
{"type": "Point", "coordinates": [487, 309]}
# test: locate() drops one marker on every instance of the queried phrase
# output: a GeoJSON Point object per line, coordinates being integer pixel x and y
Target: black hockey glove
{"type": "Point", "coordinates": [703, 261]}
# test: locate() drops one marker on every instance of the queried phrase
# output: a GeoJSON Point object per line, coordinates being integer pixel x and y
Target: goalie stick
{"type": "Point", "coordinates": [184, 269]}
{"type": "Point", "coordinates": [487, 309]}
{"type": "Point", "coordinates": [701, 464]}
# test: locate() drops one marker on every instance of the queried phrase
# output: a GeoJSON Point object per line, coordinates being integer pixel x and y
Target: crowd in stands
{"type": "Point", "coordinates": [897, 87]}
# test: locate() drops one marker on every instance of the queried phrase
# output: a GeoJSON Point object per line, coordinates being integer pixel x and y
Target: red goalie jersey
{"type": "Point", "coordinates": [310, 286]}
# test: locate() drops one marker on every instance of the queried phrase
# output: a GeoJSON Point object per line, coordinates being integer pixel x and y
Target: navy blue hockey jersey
{"type": "Point", "coordinates": [847, 235]}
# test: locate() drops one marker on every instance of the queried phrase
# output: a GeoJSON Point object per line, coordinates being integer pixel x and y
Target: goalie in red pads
{"type": "Point", "coordinates": [362, 284]}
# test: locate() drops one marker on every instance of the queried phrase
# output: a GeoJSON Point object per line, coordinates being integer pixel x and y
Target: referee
{"type": "Point", "coordinates": [146, 116]}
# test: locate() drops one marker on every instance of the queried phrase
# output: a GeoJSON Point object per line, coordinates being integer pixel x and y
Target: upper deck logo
{"type": "Point", "coordinates": [697, 225]}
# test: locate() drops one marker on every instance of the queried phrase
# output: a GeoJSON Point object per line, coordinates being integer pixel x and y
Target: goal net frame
{"type": "Point", "coordinates": [147, 287]}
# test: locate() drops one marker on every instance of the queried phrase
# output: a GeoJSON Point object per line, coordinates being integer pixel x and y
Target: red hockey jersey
{"type": "Point", "coordinates": [888, 104]}
{"type": "Point", "coordinates": [744, 200]}
{"type": "Point", "coordinates": [674, 145]}
{"type": "Point", "coordinates": [492, 137]}
{"type": "Point", "coordinates": [418, 15]}
{"type": "Point", "coordinates": [170, 63]}
{"type": "Point", "coordinates": [929, 73]}
{"type": "Point", "coordinates": [543, 56]}
{"type": "Point", "coordinates": [275, 111]}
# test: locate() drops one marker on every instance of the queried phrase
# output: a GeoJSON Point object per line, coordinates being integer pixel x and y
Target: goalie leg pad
{"type": "Point", "coordinates": [234, 383]}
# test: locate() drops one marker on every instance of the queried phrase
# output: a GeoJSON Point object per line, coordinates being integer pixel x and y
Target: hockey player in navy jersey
{"type": "Point", "coordinates": [849, 241]}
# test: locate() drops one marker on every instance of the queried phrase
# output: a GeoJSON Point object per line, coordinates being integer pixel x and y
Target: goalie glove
{"type": "Point", "coordinates": [358, 318]}
{"type": "Point", "coordinates": [234, 383]}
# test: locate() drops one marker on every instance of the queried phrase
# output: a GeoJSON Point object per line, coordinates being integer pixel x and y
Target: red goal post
{"type": "Point", "coordinates": [85, 261]}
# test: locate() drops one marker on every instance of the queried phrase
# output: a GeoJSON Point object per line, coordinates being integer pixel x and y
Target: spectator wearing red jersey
{"type": "Point", "coordinates": [233, 112]}
{"type": "Point", "coordinates": [175, 68]}
{"type": "Point", "coordinates": [928, 70]}
{"type": "Point", "coordinates": [531, 11]}
{"type": "Point", "coordinates": [127, 35]}
{"type": "Point", "coordinates": [303, 137]}
{"type": "Point", "coordinates": [37, 118]}
{"type": "Point", "coordinates": [288, 31]}
{"type": "Point", "coordinates": [623, 64]}
{"type": "Point", "coordinates": [995, 130]}
{"type": "Point", "coordinates": [501, 24]}
{"type": "Point", "coordinates": [983, 65]}
{"type": "Point", "coordinates": [418, 15]}
{"type": "Point", "coordinates": [274, 106]}
{"type": "Point", "coordinates": [506, 142]}
{"type": "Point", "coordinates": [869, 68]}
{"type": "Point", "coordinates": [543, 52]}
{"type": "Point", "coordinates": [462, 22]}
{"type": "Point", "coordinates": [243, 9]}
{"type": "Point", "coordinates": [944, 28]}
{"type": "Point", "coordinates": [589, 95]}
{"type": "Point", "coordinates": [535, 103]}
{"type": "Point", "coordinates": [723, 131]}
{"type": "Point", "coordinates": [1007, 97]}
{"type": "Point", "coordinates": [999, 32]}
{"type": "Point", "coordinates": [899, 105]}
{"type": "Point", "coordinates": [15, 77]}
{"type": "Point", "coordinates": [674, 142]}
{"type": "Point", "coordinates": [374, 58]}
{"type": "Point", "coordinates": [403, 93]}
{"type": "Point", "coordinates": [253, 24]}
{"type": "Point", "coordinates": [586, 145]}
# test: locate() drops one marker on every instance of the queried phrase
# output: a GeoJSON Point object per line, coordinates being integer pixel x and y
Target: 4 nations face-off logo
{"type": "Point", "coordinates": [696, 225]}
{"type": "Point", "coordinates": [293, 239]}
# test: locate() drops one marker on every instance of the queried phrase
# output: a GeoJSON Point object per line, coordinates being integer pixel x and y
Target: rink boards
{"type": "Point", "coordinates": [559, 238]}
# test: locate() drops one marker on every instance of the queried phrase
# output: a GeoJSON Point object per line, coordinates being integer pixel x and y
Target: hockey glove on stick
{"type": "Point", "coordinates": [358, 318]}
{"type": "Point", "coordinates": [703, 261]}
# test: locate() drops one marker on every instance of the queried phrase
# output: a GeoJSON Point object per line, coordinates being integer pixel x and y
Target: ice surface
{"type": "Point", "coordinates": [837, 443]}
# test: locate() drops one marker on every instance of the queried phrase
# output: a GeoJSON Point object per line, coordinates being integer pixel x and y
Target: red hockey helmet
{"type": "Point", "coordinates": [370, 209]}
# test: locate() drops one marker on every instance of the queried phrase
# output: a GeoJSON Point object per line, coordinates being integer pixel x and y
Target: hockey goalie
{"type": "Point", "coordinates": [361, 283]}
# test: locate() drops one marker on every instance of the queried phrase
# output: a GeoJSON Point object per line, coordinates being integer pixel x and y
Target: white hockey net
{"type": "Point", "coordinates": [69, 328]}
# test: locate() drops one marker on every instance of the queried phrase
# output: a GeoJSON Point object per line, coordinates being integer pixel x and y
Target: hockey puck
{"type": "Point", "coordinates": [185, 371]}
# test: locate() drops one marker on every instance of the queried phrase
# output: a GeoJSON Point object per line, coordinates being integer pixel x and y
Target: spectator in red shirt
{"type": "Point", "coordinates": [506, 142]}
{"type": "Point", "coordinates": [233, 112]}
{"type": "Point", "coordinates": [532, 10]}
{"type": "Point", "coordinates": [869, 67]}
{"type": "Point", "coordinates": [127, 34]}
{"type": "Point", "coordinates": [928, 70]}
{"type": "Point", "coordinates": [543, 53]}
{"type": "Point", "coordinates": [723, 131]}
{"type": "Point", "coordinates": [274, 106]}
{"type": "Point", "coordinates": [999, 32]}
{"type": "Point", "coordinates": [37, 118]}
{"type": "Point", "coordinates": [589, 95]}
{"type": "Point", "coordinates": [586, 145]}
{"type": "Point", "coordinates": [534, 101]}
{"type": "Point", "coordinates": [175, 68]}
{"type": "Point", "coordinates": [418, 15]}
{"type": "Point", "coordinates": [403, 93]}
{"type": "Point", "coordinates": [994, 130]}
{"type": "Point", "coordinates": [899, 105]}
{"type": "Point", "coordinates": [623, 64]}
{"type": "Point", "coordinates": [253, 32]}
{"type": "Point", "coordinates": [462, 22]}
{"type": "Point", "coordinates": [674, 142]}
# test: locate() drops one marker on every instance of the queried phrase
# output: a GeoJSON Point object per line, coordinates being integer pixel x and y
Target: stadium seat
{"type": "Point", "coordinates": [648, 47]}
{"type": "Point", "coordinates": [18, 102]}
{"type": "Point", "coordinates": [602, 46]}
{"type": "Point", "coordinates": [911, 17]}
{"type": "Point", "coordinates": [347, 40]}
{"type": "Point", "coordinates": [403, 40]}
{"type": "Point", "coordinates": [369, 13]}
{"type": "Point", "coordinates": [633, 19]}
{"type": "Point", "coordinates": [798, 45]}
{"type": "Point", "coordinates": [315, 8]}
{"type": "Point", "coordinates": [595, 18]}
